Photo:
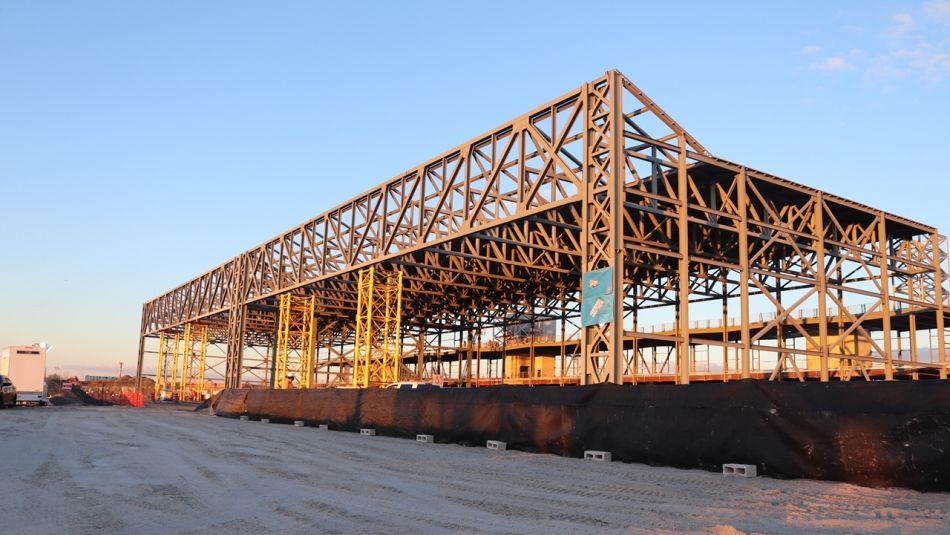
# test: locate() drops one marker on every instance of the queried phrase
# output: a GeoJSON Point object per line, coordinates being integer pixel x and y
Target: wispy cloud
{"type": "Point", "coordinates": [923, 60]}
{"type": "Point", "coordinates": [902, 23]}
{"type": "Point", "coordinates": [834, 63]}
{"type": "Point", "coordinates": [938, 9]}
{"type": "Point", "coordinates": [918, 45]}
{"type": "Point", "coordinates": [914, 43]}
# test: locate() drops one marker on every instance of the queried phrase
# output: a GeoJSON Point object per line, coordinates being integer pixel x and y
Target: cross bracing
{"type": "Point", "coordinates": [501, 228]}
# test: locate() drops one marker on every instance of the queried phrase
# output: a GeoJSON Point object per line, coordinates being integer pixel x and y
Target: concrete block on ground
{"type": "Point", "coordinates": [741, 470]}
{"type": "Point", "coordinates": [368, 432]}
{"type": "Point", "coordinates": [428, 439]}
{"type": "Point", "coordinates": [323, 427]}
{"type": "Point", "coordinates": [594, 455]}
{"type": "Point", "coordinates": [265, 420]}
{"type": "Point", "coordinates": [298, 423]}
{"type": "Point", "coordinates": [244, 418]}
{"type": "Point", "coordinates": [496, 445]}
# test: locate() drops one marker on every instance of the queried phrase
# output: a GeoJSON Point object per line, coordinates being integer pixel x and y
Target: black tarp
{"type": "Point", "coordinates": [876, 434]}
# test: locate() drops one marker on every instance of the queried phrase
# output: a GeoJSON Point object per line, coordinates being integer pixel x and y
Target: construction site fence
{"type": "Point", "coordinates": [868, 433]}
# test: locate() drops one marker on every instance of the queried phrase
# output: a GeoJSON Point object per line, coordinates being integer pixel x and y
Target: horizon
{"type": "Point", "coordinates": [147, 144]}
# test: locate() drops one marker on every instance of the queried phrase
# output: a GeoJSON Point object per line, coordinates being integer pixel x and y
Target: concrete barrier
{"type": "Point", "coordinates": [594, 455]}
{"type": "Point", "coordinates": [741, 470]}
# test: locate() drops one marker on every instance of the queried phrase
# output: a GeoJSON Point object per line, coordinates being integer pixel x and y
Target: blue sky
{"type": "Point", "coordinates": [142, 143]}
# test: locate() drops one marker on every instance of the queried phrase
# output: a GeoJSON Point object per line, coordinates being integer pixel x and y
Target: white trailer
{"type": "Point", "coordinates": [26, 367]}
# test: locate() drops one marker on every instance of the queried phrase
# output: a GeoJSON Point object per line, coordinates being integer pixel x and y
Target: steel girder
{"type": "Point", "coordinates": [599, 177]}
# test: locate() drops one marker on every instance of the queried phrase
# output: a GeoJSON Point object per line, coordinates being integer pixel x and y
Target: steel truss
{"type": "Point", "coordinates": [297, 327]}
{"type": "Point", "coordinates": [765, 277]}
{"type": "Point", "coordinates": [378, 343]}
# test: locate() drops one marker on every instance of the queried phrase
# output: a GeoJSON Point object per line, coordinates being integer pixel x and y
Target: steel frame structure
{"type": "Point", "coordinates": [296, 328]}
{"type": "Point", "coordinates": [504, 225]}
{"type": "Point", "coordinates": [377, 354]}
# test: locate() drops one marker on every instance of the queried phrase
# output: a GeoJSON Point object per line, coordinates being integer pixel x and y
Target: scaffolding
{"type": "Point", "coordinates": [378, 345]}
{"type": "Point", "coordinates": [183, 361]}
{"type": "Point", "coordinates": [194, 362]}
{"type": "Point", "coordinates": [160, 367]}
{"type": "Point", "coordinates": [176, 363]}
{"type": "Point", "coordinates": [296, 341]}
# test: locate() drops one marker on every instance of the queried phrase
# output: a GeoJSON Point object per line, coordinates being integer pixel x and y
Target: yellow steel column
{"type": "Point", "coordinates": [283, 342]}
{"type": "Point", "coordinates": [822, 287]}
{"type": "Point", "coordinates": [938, 285]}
{"type": "Point", "coordinates": [175, 365]}
{"type": "Point", "coordinates": [370, 328]}
{"type": "Point", "coordinates": [398, 331]}
{"type": "Point", "coordinates": [367, 332]}
{"type": "Point", "coordinates": [308, 342]}
{"type": "Point", "coordinates": [912, 331]}
{"type": "Point", "coordinates": [358, 342]}
{"type": "Point", "coordinates": [683, 348]}
{"type": "Point", "coordinates": [202, 363]}
{"type": "Point", "coordinates": [885, 298]}
{"type": "Point", "coordinates": [185, 361]}
{"type": "Point", "coordinates": [386, 347]}
{"type": "Point", "coordinates": [744, 274]}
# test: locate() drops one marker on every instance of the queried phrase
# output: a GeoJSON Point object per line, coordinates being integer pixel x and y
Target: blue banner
{"type": "Point", "coordinates": [597, 299]}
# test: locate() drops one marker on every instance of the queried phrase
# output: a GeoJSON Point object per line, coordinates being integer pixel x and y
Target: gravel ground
{"type": "Point", "coordinates": [161, 470]}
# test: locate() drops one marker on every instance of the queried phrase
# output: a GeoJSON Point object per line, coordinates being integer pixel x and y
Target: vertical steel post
{"type": "Point", "coordinates": [187, 354]}
{"type": "Point", "coordinates": [602, 226]}
{"type": "Point", "coordinates": [885, 298]}
{"type": "Point", "coordinates": [271, 372]}
{"type": "Point", "coordinates": [615, 360]}
{"type": "Point", "coordinates": [203, 360]}
{"type": "Point", "coordinates": [420, 354]}
{"type": "Point", "coordinates": [744, 278]}
{"type": "Point", "coordinates": [819, 216]}
{"type": "Point", "coordinates": [175, 360]}
{"type": "Point", "coordinates": [586, 237]}
{"type": "Point", "coordinates": [478, 355]}
{"type": "Point", "coordinates": [504, 347]}
{"type": "Point", "coordinates": [725, 330]}
{"type": "Point", "coordinates": [141, 354]}
{"type": "Point", "coordinates": [682, 193]}
{"type": "Point", "coordinates": [563, 341]}
{"type": "Point", "coordinates": [237, 317]}
{"type": "Point", "coordinates": [938, 288]}
{"type": "Point", "coordinates": [160, 365]}
{"type": "Point", "coordinates": [531, 360]}
{"type": "Point", "coordinates": [912, 333]}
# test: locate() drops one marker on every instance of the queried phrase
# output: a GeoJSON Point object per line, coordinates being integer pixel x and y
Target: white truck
{"type": "Point", "coordinates": [26, 367]}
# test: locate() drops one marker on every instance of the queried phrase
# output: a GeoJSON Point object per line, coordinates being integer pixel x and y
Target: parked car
{"type": "Point", "coordinates": [7, 392]}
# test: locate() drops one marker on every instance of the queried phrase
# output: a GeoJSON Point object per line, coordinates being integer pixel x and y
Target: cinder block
{"type": "Point", "coordinates": [298, 423]}
{"type": "Point", "coordinates": [496, 445]}
{"type": "Point", "coordinates": [428, 439]}
{"type": "Point", "coordinates": [323, 427]}
{"type": "Point", "coordinates": [368, 432]}
{"type": "Point", "coordinates": [741, 470]}
{"type": "Point", "coordinates": [594, 455]}
{"type": "Point", "coordinates": [244, 418]}
{"type": "Point", "coordinates": [265, 420]}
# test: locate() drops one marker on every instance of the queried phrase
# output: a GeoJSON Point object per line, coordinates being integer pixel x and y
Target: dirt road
{"type": "Point", "coordinates": [115, 470]}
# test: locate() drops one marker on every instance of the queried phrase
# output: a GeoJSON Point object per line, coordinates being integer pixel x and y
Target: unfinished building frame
{"type": "Point", "coordinates": [716, 271]}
